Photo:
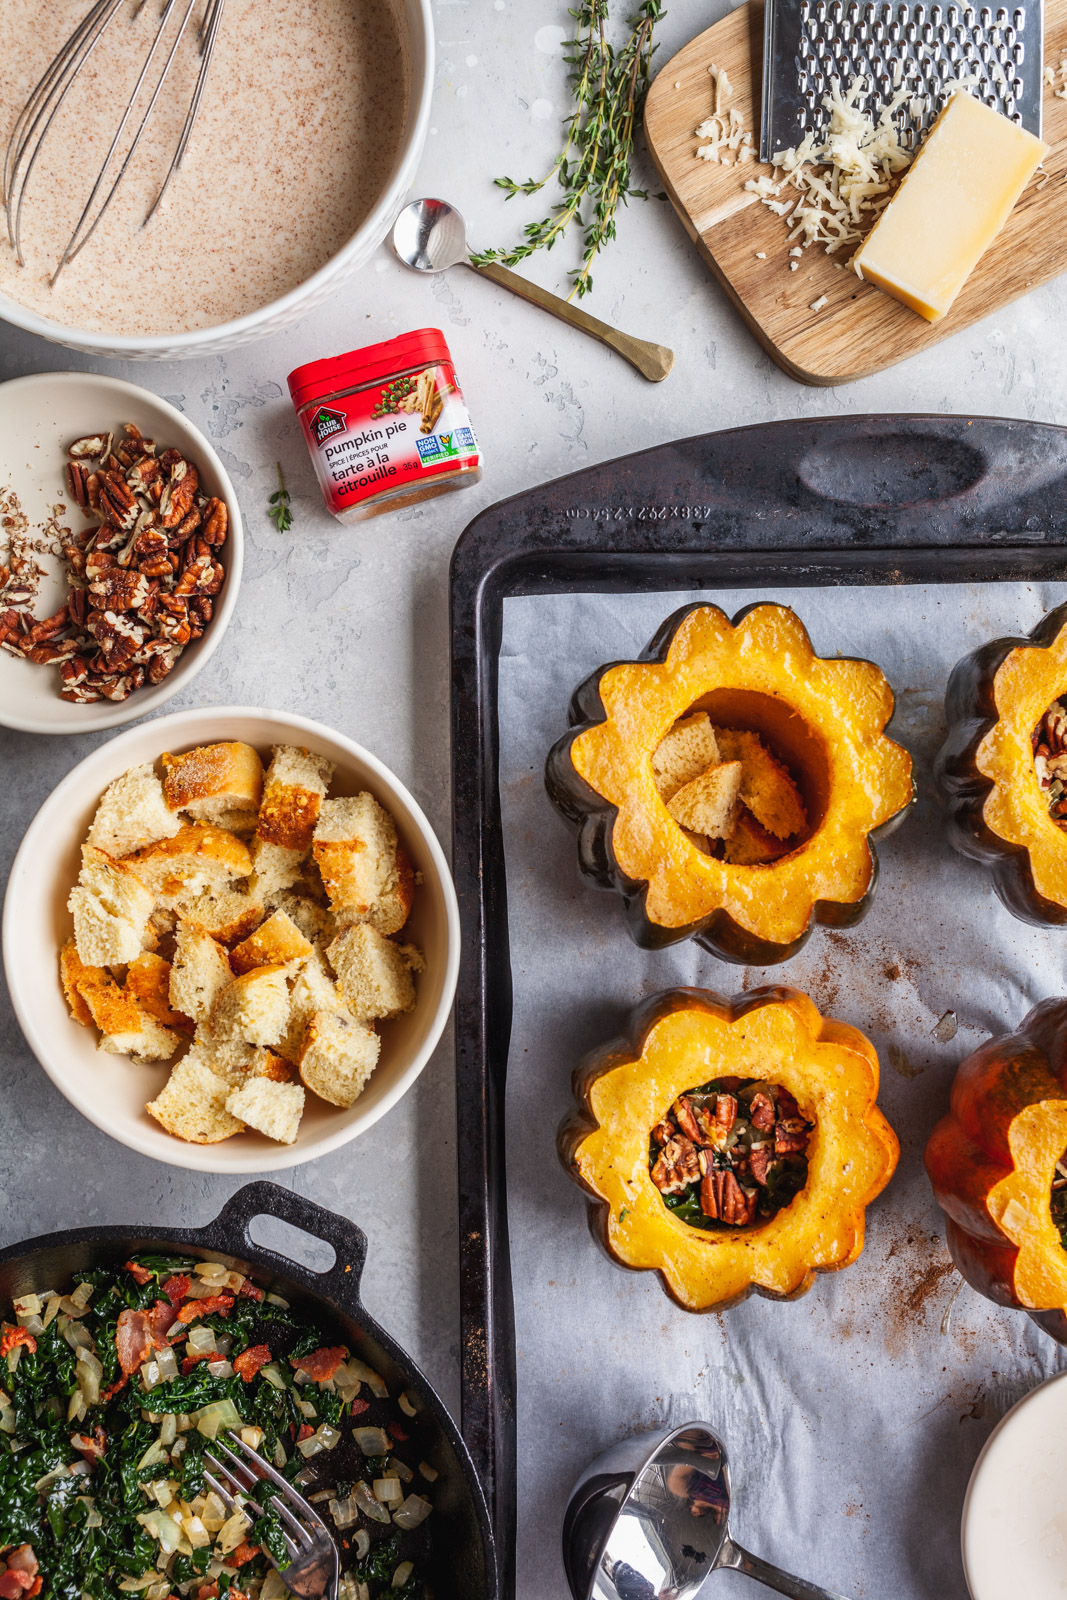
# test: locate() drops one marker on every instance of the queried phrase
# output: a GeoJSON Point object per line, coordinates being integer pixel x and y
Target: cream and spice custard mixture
{"type": "Point", "coordinates": [297, 136]}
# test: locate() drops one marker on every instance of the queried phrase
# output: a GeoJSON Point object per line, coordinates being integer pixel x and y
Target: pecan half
{"type": "Point", "coordinates": [676, 1167]}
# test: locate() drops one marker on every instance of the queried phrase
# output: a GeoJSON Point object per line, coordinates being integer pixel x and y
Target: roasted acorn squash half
{"type": "Point", "coordinates": [825, 719]}
{"type": "Point", "coordinates": [686, 1037]}
{"type": "Point", "coordinates": [993, 1162]}
{"type": "Point", "coordinates": [998, 813]}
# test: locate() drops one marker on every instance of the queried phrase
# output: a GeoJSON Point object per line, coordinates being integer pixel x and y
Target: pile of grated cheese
{"type": "Point", "coordinates": [1056, 79]}
{"type": "Point", "coordinates": [726, 140]}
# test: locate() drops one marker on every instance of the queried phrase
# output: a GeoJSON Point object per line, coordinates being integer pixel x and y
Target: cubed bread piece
{"type": "Point", "coordinates": [132, 813]}
{"type": "Point", "coordinates": [76, 977]}
{"type": "Point", "coordinates": [231, 1059]}
{"type": "Point", "coordinates": [126, 1028]}
{"type": "Point", "coordinates": [355, 850]}
{"type": "Point", "coordinates": [254, 1007]}
{"type": "Point", "coordinates": [315, 922]}
{"type": "Point", "coordinates": [766, 787]}
{"type": "Point", "coordinates": [338, 1056]}
{"type": "Point", "coordinates": [265, 1064]}
{"type": "Point", "coordinates": [111, 907]}
{"type": "Point", "coordinates": [684, 753]}
{"type": "Point", "coordinates": [752, 846]}
{"type": "Point", "coordinates": [274, 868]}
{"type": "Point", "coordinates": [227, 914]}
{"type": "Point", "coordinates": [392, 908]}
{"type": "Point", "coordinates": [148, 981]}
{"type": "Point", "coordinates": [192, 1104]}
{"type": "Point", "coordinates": [374, 973]}
{"type": "Point", "coordinates": [297, 781]}
{"type": "Point", "coordinates": [709, 803]}
{"type": "Point", "coordinates": [314, 990]}
{"type": "Point", "coordinates": [271, 1108]}
{"type": "Point", "coordinates": [199, 857]}
{"type": "Point", "coordinates": [199, 973]}
{"type": "Point", "coordinates": [275, 942]}
{"type": "Point", "coordinates": [213, 779]}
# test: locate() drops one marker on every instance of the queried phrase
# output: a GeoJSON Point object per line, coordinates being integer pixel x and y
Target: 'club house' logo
{"type": "Point", "coordinates": [326, 423]}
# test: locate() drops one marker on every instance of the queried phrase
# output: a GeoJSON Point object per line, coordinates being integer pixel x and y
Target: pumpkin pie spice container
{"type": "Point", "coordinates": [386, 426]}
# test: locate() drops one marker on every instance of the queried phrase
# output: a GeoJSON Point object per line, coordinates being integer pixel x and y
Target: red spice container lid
{"type": "Point", "coordinates": [316, 378]}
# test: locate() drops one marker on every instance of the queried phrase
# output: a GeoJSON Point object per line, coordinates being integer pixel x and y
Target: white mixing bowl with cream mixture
{"type": "Point", "coordinates": [305, 147]}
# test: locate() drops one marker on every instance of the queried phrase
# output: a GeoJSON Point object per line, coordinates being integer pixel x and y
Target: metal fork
{"type": "Point", "coordinates": [314, 1568]}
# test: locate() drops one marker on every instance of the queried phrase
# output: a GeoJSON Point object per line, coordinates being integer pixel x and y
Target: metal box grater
{"type": "Point", "coordinates": [810, 44]}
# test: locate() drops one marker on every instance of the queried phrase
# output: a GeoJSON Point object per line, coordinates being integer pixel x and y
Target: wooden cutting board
{"type": "Point", "coordinates": [859, 330]}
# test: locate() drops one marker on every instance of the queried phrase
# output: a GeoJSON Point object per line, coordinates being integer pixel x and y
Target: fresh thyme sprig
{"type": "Point", "coordinates": [281, 510]}
{"type": "Point", "coordinates": [593, 168]}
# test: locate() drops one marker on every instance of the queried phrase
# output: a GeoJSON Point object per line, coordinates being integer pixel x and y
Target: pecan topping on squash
{"type": "Point", "coordinates": [730, 1153]}
{"type": "Point", "coordinates": [1050, 760]}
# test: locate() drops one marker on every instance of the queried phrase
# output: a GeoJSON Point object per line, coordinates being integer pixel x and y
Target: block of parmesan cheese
{"type": "Point", "coordinates": [955, 198]}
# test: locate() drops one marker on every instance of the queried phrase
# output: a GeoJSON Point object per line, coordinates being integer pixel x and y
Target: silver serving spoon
{"type": "Point", "coordinates": [649, 1521]}
{"type": "Point", "coordinates": [431, 236]}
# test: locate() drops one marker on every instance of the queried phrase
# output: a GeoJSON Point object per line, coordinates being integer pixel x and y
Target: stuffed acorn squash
{"type": "Point", "coordinates": [729, 784]}
{"type": "Point", "coordinates": [1003, 767]}
{"type": "Point", "coordinates": [730, 1145]}
{"type": "Point", "coordinates": [998, 1166]}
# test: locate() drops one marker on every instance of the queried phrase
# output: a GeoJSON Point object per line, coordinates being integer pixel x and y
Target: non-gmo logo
{"type": "Point", "coordinates": [326, 423]}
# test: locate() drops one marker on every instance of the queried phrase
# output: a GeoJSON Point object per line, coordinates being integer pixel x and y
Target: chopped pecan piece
{"type": "Point", "coordinates": [118, 501]}
{"type": "Point", "coordinates": [761, 1111]}
{"type": "Point", "coordinates": [118, 589]}
{"type": "Point", "coordinates": [89, 448]}
{"type": "Point", "coordinates": [760, 1158]}
{"type": "Point", "coordinates": [723, 1199]}
{"type": "Point", "coordinates": [725, 1111]}
{"type": "Point", "coordinates": [790, 1136]}
{"type": "Point", "coordinates": [179, 494]}
{"type": "Point", "coordinates": [78, 482]}
{"type": "Point", "coordinates": [677, 1167]}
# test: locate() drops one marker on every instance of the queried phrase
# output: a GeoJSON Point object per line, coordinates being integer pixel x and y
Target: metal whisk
{"type": "Point", "coordinates": [38, 114]}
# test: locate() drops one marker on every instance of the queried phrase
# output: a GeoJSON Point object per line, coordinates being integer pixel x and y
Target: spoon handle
{"type": "Point", "coordinates": [739, 1560]}
{"type": "Point", "coordinates": [653, 361]}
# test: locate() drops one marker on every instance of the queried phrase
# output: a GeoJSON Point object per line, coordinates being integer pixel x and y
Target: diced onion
{"type": "Point", "coordinates": [372, 1441]}
{"type": "Point", "coordinates": [252, 1437]}
{"type": "Point", "coordinates": [77, 1408]}
{"type": "Point", "coordinates": [305, 1476]}
{"type": "Point", "coordinates": [344, 1512]}
{"type": "Point", "coordinates": [195, 1532]}
{"type": "Point", "coordinates": [389, 1491]}
{"type": "Point", "coordinates": [321, 1497]}
{"type": "Point", "coordinates": [211, 1269]}
{"type": "Point", "coordinates": [311, 1447]}
{"type": "Point", "coordinates": [167, 1362]}
{"type": "Point", "coordinates": [31, 1322]}
{"type": "Point", "coordinates": [346, 1383]}
{"type": "Point", "coordinates": [361, 1544]}
{"type": "Point", "coordinates": [26, 1305]}
{"type": "Point", "coordinates": [273, 1374]}
{"type": "Point", "coordinates": [413, 1511]}
{"type": "Point", "coordinates": [402, 1574]}
{"type": "Point", "coordinates": [162, 1491]}
{"type": "Point", "coordinates": [200, 1341]}
{"type": "Point", "coordinates": [280, 1457]}
{"type": "Point", "coordinates": [306, 1408]}
{"type": "Point", "coordinates": [429, 1473]}
{"type": "Point", "coordinates": [220, 1369]}
{"type": "Point", "coordinates": [88, 1372]}
{"type": "Point", "coordinates": [221, 1414]}
{"type": "Point", "coordinates": [51, 1309]}
{"type": "Point", "coordinates": [14, 1357]}
{"type": "Point", "coordinates": [349, 1587]}
{"type": "Point", "coordinates": [168, 1431]}
{"type": "Point", "coordinates": [153, 1455]}
{"type": "Point", "coordinates": [405, 1404]}
{"type": "Point", "coordinates": [135, 1585]}
{"type": "Point", "coordinates": [214, 1513]}
{"type": "Point", "coordinates": [273, 1587]}
{"type": "Point", "coordinates": [374, 1381]}
{"type": "Point", "coordinates": [80, 1469]}
{"type": "Point", "coordinates": [276, 1300]}
{"type": "Point", "coordinates": [233, 1532]}
{"type": "Point", "coordinates": [78, 1336]}
{"type": "Point", "coordinates": [368, 1505]}
{"type": "Point", "coordinates": [7, 1419]}
{"type": "Point", "coordinates": [150, 1375]}
{"type": "Point", "coordinates": [50, 1478]}
{"type": "Point", "coordinates": [401, 1468]}
{"type": "Point", "coordinates": [82, 1294]}
{"type": "Point", "coordinates": [162, 1528]}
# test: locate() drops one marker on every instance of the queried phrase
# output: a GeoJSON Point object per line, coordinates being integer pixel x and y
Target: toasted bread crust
{"type": "Point", "coordinates": [229, 775]}
{"type": "Point", "coordinates": [148, 981]}
{"type": "Point", "coordinates": [276, 941]}
{"type": "Point", "coordinates": [76, 976]}
{"type": "Point", "coordinates": [197, 851]}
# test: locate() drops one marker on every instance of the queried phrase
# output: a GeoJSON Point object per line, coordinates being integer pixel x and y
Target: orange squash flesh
{"type": "Point", "coordinates": [688, 1036]}
{"type": "Point", "coordinates": [992, 1161]}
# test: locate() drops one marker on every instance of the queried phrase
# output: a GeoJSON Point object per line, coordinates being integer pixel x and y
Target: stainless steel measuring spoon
{"type": "Point", "coordinates": [431, 236]}
{"type": "Point", "coordinates": [649, 1520]}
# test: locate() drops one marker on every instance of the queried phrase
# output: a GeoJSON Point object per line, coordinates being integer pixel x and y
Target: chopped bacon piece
{"type": "Point", "coordinates": [138, 1273]}
{"type": "Point", "coordinates": [193, 1360]}
{"type": "Point", "coordinates": [320, 1364]}
{"type": "Point", "coordinates": [140, 1333]}
{"type": "Point", "coordinates": [359, 1406]}
{"type": "Point", "coordinates": [725, 1111]}
{"type": "Point", "coordinates": [21, 1576]}
{"type": "Point", "coordinates": [250, 1291]}
{"type": "Point", "coordinates": [176, 1288]}
{"type": "Point", "coordinates": [397, 1432]}
{"type": "Point", "coordinates": [11, 1337]}
{"type": "Point", "coordinates": [212, 1303]}
{"type": "Point", "coordinates": [244, 1553]}
{"type": "Point", "coordinates": [759, 1161]}
{"type": "Point", "coordinates": [92, 1449]}
{"type": "Point", "coordinates": [248, 1363]}
{"type": "Point", "coordinates": [109, 1394]}
{"type": "Point", "coordinates": [208, 1591]}
{"type": "Point", "coordinates": [761, 1111]}
{"type": "Point", "coordinates": [306, 1430]}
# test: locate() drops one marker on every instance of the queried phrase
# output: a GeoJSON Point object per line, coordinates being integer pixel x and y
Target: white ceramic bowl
{"type": "Point", "coordinates": [111, 1090]}
{"type": "Point", "coordinates": [39, 417]}
{"type": "Point", "coordinates": [1014, 1521]}
{"type": "Point", "coordinates": [299, 301]}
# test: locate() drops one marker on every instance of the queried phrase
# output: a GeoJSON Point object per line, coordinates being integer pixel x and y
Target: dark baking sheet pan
{"type": "Point", "coordinates": [852, 500]}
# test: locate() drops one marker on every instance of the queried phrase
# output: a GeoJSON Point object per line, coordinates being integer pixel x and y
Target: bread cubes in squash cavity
{"type": "Point", "coordinates": [820, 781]}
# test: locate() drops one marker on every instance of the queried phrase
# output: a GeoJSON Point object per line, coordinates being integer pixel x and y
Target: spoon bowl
{"type": "Point", "coordinates": [649, 1520]}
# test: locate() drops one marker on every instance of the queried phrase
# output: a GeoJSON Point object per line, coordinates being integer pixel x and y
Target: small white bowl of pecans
{"type": "Point", "coordinates": [120, 552]}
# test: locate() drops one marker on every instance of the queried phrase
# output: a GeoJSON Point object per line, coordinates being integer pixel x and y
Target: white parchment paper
{"type": "Point", "coordinates": [854, 1415]}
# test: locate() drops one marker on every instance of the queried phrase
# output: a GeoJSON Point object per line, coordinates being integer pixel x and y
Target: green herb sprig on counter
{"type": "Point", "coordinates": [593, 168]}
{"type": "Point", "coordinates": [281, 510]}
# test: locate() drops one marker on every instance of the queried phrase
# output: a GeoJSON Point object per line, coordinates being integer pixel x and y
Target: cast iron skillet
{"type": "Point", "coordinates": [464, 1566]}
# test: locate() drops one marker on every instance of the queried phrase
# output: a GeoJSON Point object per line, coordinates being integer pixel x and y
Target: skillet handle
{"type": "Point", "coordinates": [229, 1233]}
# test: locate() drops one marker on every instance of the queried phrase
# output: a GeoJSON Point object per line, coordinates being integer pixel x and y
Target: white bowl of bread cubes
{"type": "Point", "coordinates": [231, 939]}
